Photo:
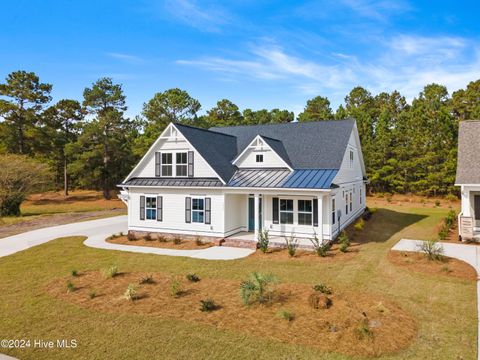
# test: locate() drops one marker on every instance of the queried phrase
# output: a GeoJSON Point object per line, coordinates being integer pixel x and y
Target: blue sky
{"type": "Point", "coordinates": [259, 54]}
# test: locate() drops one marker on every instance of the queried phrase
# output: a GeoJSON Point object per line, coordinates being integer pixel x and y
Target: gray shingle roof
{"type": "Point", "coordinates": [309, 145]}
{"type": "Point", "coordinates": [216, 148]}
{"type": "Point", "coordinates": [278, 147]}
{"type": "Point", "coordinates": [468, 165]}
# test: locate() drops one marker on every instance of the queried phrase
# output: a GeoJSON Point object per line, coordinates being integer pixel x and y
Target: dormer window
{"type": "Point", "coordinates": [167, 164]}
{"type": "Point", "coordinates": [181, 164]}
{"type": "Point", "coordinates": [259, 158]}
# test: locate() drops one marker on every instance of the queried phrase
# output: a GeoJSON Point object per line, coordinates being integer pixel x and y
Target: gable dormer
{"type": "Point", "coordinates": [263, 152]}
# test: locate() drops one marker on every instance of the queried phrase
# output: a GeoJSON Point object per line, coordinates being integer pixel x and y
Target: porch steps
{"type": "Point", "coordinates": [239, 243]}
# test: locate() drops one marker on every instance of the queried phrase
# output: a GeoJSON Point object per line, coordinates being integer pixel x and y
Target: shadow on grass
{"type": "Point", "coordinates": [384, 224]}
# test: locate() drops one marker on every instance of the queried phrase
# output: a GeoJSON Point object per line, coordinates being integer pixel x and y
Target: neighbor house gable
{"type": "Point", "coordinates": [263, 152]}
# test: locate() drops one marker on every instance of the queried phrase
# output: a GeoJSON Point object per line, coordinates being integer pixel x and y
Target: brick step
{"type": "Point", "coordinates": [239, 243]}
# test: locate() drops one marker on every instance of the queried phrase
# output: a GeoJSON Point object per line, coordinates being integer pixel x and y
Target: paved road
{"type": "Point", "coordinates": [468, 253]}
{"type": "Point", "coordinates": [96, 232]}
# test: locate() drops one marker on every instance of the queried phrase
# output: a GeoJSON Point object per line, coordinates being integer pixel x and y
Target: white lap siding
{"type": "Point", "coordinates": [174, 212]}
{"type": "Point", "coordinates": [235, 213]}
{"type": "Point", "coordinates": [305, 231]}
{"type": "Point", "coordinates": [341, 195]}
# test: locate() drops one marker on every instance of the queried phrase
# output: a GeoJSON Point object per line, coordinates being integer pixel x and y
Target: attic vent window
{"type": "Point", "coordinates": [259, 158]}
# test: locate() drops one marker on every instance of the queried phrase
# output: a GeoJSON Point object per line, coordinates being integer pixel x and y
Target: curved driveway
{"type": "Point", "coordinates": [98, 230]}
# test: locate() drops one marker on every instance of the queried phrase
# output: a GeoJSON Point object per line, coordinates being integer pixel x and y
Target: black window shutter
{"type": "Point", "coordinates": [275, 210]}
{"type": "Point", "coordinates": [208, 211]}
{"type": "Point", "coordinates": [142, 207]}
{"type": "Point", "coordinates": [315, 212]}
{"type": "Point", "coordinates": [159, 208]}
{"type": "Point", "coordinates": [188, 209]}
{"type": "Point", "coordinates": [158, 164]}
{"type": "Point", "coordinates": [190, 164]}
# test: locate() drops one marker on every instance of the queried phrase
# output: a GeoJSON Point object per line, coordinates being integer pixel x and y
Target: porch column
{"type": "Point", "coordinates": [256, 207]}
{"type": "Point", "coordinates": [320, 217]}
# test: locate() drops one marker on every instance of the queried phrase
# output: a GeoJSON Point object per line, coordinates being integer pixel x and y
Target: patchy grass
{"type": "Point", "coordinates": [443, 308]}
{"type": "Point", "coordinates": [52, 208]}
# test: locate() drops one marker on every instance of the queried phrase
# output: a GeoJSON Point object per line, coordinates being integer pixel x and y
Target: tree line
{"type": "Point", "coordinates": [408, 148]}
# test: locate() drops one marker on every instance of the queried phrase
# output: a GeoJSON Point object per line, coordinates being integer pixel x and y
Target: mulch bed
{"type": "Point", "coordinates": [168, 244]}
{"type": "Point", "coordinates": [340, 328]}
{"type": "Point", "coordinates": [334, 254]}
{"type": "Point", "coordinates": [446, 267]}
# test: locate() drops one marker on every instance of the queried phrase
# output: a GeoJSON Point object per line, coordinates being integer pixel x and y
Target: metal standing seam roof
{"type": "Point", "coordinates": [284, 178]}
{"type": "Point", "coordinates": [207, 182]}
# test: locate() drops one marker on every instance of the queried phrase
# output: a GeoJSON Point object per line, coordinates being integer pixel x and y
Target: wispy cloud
{"type": "Point", "coordinates": [127, 58]}
{"type": "Point", "coordinates": [404, 62]}
{"type": "Point", "coordinates": [205, 17]}
{"type": "Point", "coordinates": [375, 9]}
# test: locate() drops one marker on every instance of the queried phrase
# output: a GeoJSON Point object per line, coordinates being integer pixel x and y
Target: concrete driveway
{"type": "Point", "coordinates": [467, 253]}
{"type": "Point", "coordinates": [98, 230]}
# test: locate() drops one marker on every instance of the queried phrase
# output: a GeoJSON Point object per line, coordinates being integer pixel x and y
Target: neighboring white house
{"type": "Point", "coordinates": [292, 178]}
{"type": "Point", "coordinates": [468, 178]}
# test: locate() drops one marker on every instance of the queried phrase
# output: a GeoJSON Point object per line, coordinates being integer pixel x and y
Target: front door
{"type": "Point", "coordinates": [476, 201]}
{"type": "Point", "coordinates": [251, 211]}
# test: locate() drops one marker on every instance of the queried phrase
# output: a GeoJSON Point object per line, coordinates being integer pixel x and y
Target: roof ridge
{"type": "Point", "coordinates": [282, 124]}
{"type": "Point", "coordinates": [203, 129]}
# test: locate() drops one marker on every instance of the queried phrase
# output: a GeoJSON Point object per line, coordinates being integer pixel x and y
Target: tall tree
{"type": "Point", "coordinates": [281, 116]}
{"type": "Point", "coordinates": [63, 121]}
{"type": "Point", "coordinates": [102, 151]}
{"type": "Point", "coordinates": [27, 96]}
{"type": "Point", "coordinates": [466, 103]}
{"type": "Point", "coordinates": [263, 116]}
{"type": "Point", "coordinates": [226, 113]}
{"type": "Point", "coordinates": [317, 109]}
{"type": "Point", "coordinates": [173, 105]}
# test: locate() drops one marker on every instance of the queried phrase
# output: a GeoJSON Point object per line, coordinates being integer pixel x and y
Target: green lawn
{"type": "Point", "coordinates": [444, 308]}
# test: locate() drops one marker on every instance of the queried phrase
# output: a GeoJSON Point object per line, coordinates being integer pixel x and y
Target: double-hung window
{"type": "Point", "coordinates": [305, 212]}
{"type": "Point", "coordinates": [167, 165]}
{"type": "Point", "coordinates": [198, 210]}
{"type": "Point", "coordinates": [346, 203]}
{"type": "Point", "coordinates": [286, 211]}
{"type": "Point", "coordinates": [150, 208]}
{"type": "Point", "coordinates": [181, 164]}
{"type": "Point", "coordinates": [333, 212]}
{"type": "Point", "coordinates": [351, 201]}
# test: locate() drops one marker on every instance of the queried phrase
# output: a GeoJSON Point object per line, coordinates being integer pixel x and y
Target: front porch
{"type": "Point", "coordinates": [469, 217]}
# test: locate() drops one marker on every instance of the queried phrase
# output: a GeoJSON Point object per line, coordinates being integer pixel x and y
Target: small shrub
{"type": "Point", "coordinates": [198, 241]}
{"type": "Point", "coordinates": [120, 234]}
{"type": "Point", "coordinates": [92, 294]}
{"type": "Point", "coordinates": [319, 247]}
{"type": "Point", "coordinates": [131, 237]}
{"type": "Point", "coordinates": [432, 250]}
{"type": "Point", "coordinates": [451, 219]}
{"type": "Point", "coordinates": [443, 232]}
{"type": "Point", "coordinates": [74, 272]}
{"type": "Point", "coordinates": [257, 288]}
{"type": "Point", "coordinates": [292, 245]}
{"type": "Point", "coordinates": [70, 286]}
{"type": "Point", "coordinates": [208, 305]}
{"type": "Point", "coordinates": [148, 237]}
{"type": "Point", "coordinates": [147, 279]}
{"type": "Point", "coordinates": [131, 292]}
{"type": "Point", "coordinates": [263, 240]}
{"type": "Point", "coordinates": [344, 241]}
{"type": "Point", "coordinates": [161, 238]}
{"type": "Point", "coordinates": [373, 210]}
{"type": "Point", "coordinates": [319, 301]}
{"type": "Point", "coordinates": [389, 198]}
{"type": "Point", "coordinates": [111, 272]}
{"type": "Point", "coordinates": [446, 269]}
{"type": "Point", "coordinates": [323, 289]}
{"type": "Point", "coordinates": [363, 330]}
{"type": "Point", "coordinates": [177, 240]}
{"type": "Point", "coordinates": [113, 236]}
{"type": "Point", "coordinates": [193, 278]}
{"type": "Point", "coordinates": [359, 225]}
{"type": "Point", "coordinates": [285, 315]}
{"type": "Point", "coordinates": [176, 289]}
{"type": "Point", "coordinates": [437, 203]}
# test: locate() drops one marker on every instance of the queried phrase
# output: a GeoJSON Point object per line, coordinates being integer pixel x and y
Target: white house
{"type": "Point", "coordinates": [292, 178]}
{"type": "Point", "coordinates": [468, 178]}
